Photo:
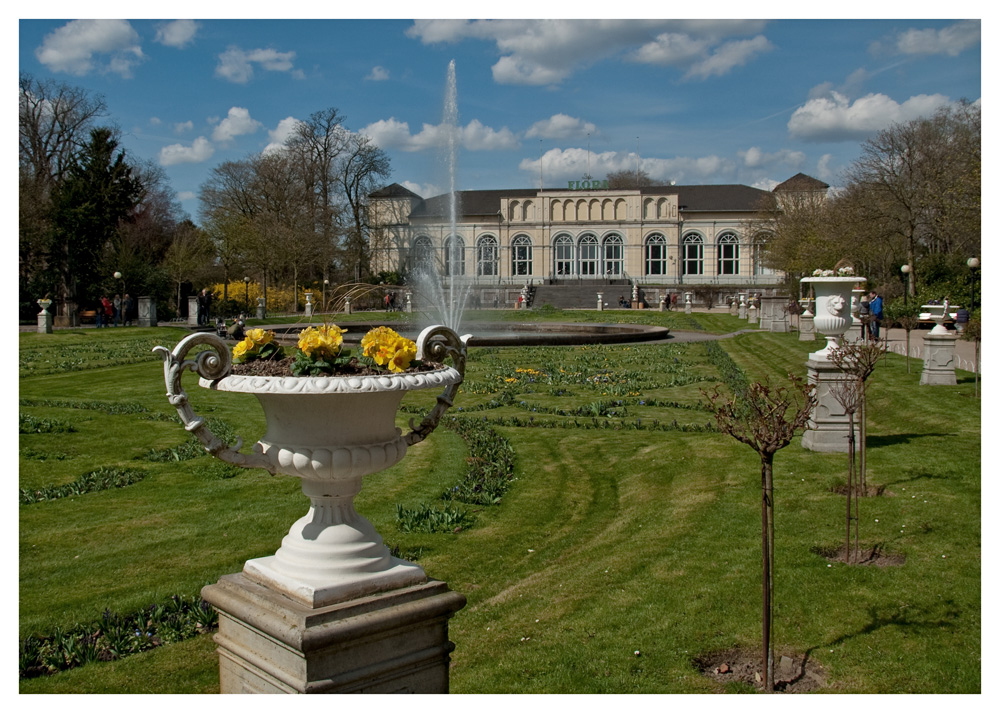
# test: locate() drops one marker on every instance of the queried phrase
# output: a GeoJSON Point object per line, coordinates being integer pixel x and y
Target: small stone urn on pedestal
{"type": "Point", "coordinates": [939, 354]}
{"type": "Point", "coordinates": [663, 302]}
{"type": "Point", "coordinates": [600, 301]}
{"type": "Point", "coordinates": [332, 611]}
{"type": "Point", "coordinates": [409, 302]}
{"type": "Point", "coordinates": [261, 310]}
{"type": "Point", "coordinates": [752, 316]}
{"type": "Point", "coordinates": [687, 303]}
{"type": "Point", "coordinates": [807, 330]}
{"type": "Point", "coordinates": [309, 304]}
{"type": "Point", "coordinates": [44, 317]}
{"type": "Point", "coordinates": [743, 307]}
{"type": "Point", "coordinates": [829, 426]}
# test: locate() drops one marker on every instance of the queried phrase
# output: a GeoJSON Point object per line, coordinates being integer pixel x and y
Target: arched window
{"type": "Point", "coordinates": [487, 256]}
{"type": "Point", "coordinates": [656, 255]}
{"type": "Point", "coordinates": [729, 254]}
{"type": "Point", "coordinates": [562, 249]}
{"type": "Point", "coordinates": [520, 255]}
{"type": "Point", "coordinates": [422, 254]}
{"type": "Point", "coordinates": [693, 248]}
{"type": "Point", "coordinates": [588, 254]}
{"type": "Point", "coordinates": [613, 255]}
{"type": "Point", "coordinates": [454, 256]}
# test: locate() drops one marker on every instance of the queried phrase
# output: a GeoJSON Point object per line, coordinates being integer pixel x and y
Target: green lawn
{"type": "Point", "coordinates": [630, 525]}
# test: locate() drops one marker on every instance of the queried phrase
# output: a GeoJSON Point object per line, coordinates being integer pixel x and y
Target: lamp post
{"type": "Point", "coordinates": [973, 264]}
{"type": "Point", "coordinates": [326, 283]}
{"type": "Point", "coordinates": [246, 295]}
{"type": "Point", "coordinates": [906, 272]}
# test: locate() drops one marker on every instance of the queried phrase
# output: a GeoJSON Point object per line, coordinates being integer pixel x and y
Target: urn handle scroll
{"type": "Point", "coordinates": [438, 343]}
{"type": "Point", "coordinates": [213, 363]}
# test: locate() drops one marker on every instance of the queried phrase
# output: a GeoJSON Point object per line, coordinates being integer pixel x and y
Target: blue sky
{"type": "Point", "coordinates": [699, 101]}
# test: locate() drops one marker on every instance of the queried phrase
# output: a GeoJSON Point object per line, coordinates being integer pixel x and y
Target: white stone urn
{"type": "Point", "coordinates": [833, 309]}
{"type": "Point", "coordinates": [329, 431]}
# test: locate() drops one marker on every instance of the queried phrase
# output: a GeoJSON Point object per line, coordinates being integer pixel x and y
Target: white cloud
{"type": "Point", "coordinates": [755, 158]}
{"type": "Point", "coordinates": [280, 134]}
{"type": "Point", "coordinates": [178, 33]}
{"type": "Point", "coordinates": [236, 65]}
{"type": "Point", "coordinates": [560, 165]}
{"type": "Point", "coordinates": [391, 133]}
{"type": "Point", "coordinates": [560, 126]}
{"type": "Point", "coordinates": [540, 52]}
{"type": "Point", "coordinates": [155, 121]}
{"type": "Point", "coordinates": [836, 118]}
{"type": "Point", "coordinates": [237, 123]}
{"type": "Point", "coordinates": [186, 195]}
{"type": "Point", "coordinates": [951, 40]}
{"type": "Point", "coordinates": [729, 55]}
{"type": "Point", "coordinates": [824, 171]}
{"type": "Point", "coordinates": [72, 47]}
{"type": "Point", "coordinates": [182, 126]}
{"type": "Point", "coordinates": [378, 74]}
{"type": "Point", "coordinates": [424, 190]}
{"type": "Point", "coordinates": [200, 150]}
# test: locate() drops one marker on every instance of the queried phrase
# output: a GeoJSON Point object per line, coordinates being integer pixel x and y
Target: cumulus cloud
{"type": "Point", "coordinates": [200, 150]}
{"type": "Point", "coordinates": [182, 126]}
{"type": "Point", "coordinates": [378, 74]}
{"type": "Point", "coordinates": [754, 158]}
{"type": "Point", "coordinates": [542, 52]}
{"type": "Point", "coordinates": [237, 65]}
{"type": "Point", "coordinates": [951, 40]}
{"type": "Point", "coordinates": [569, 164]}
{"type": "Point", "coordinates": [186, 195]}
{"type": "Point", "coordinates": [474, 136]}
{"type": "Point", "coordinates": [280, 134]}
{"type": "Point", "coordinates": [424, 190]}
{"type": "Point", "coordinates": [78, 46]}
{"type": "Point", "coordinates": [237, 123]}
{"type": "Point", "coordinates": [560, 126]}
{"type": "Point", "coordinates": [178, 33]}
{"type": "Point", "coordinates": [836, 118]}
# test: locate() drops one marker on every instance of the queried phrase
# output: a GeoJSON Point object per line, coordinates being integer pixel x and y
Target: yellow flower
{"type": "Point", "coordinates": [405, 352]}
{"type": "Point", "coordinates": [324, 341]}
{"type": "Point", "coordinates": [260, 337]}
{"type": "Point", "coordinates": [243, 348]}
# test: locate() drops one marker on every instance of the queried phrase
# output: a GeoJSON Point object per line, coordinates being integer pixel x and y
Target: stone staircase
{"type": "Point", "coordinates": [583, 296]}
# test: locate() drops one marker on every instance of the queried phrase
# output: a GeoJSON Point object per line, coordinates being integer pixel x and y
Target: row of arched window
{"type": "Point", "coordinates": [586, 256]}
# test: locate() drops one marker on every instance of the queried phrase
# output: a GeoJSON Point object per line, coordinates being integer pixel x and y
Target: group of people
{"type": "Point", "coordinates": [112, 311]}
{"type": "Point", "coordinates": [870, 312]}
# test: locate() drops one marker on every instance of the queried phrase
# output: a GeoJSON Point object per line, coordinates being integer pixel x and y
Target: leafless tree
{"type": "Point", "coordinates": [766, 419]}
{"type": "Point", "coordinates": [858, 360]}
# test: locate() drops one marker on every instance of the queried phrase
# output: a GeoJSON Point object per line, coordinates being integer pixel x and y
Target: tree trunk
{"type": "Point", "coordinates": [863, 433]}
{"type": "Point", "coordinates": [767, 563]}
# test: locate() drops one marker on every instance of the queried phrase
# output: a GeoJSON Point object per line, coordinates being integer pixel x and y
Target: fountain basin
{"type": "Point", "coordinates": [513, 334]}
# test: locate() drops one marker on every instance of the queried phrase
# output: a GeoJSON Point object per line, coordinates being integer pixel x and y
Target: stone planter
{"type": "Point", "coordinates": [331, 611]}
{"type": "Point", "coordinates": [833, 309]}
{"type": "Point", "coordinates": [829, 426]}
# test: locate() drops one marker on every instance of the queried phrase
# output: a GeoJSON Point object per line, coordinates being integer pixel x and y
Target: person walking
{"type": "Point", "coordinates": [864, 314]}
{"type": "Point", "coordinates": [126, 310]}
{"type": "Point", "coordinates": [116, 305]}
{"type": "Point", "coordinates": [875, 308]}
{"type": "Point", "coordinates": [106, 310]}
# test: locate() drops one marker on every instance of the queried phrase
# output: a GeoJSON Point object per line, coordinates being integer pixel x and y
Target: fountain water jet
{"type": "Point", "coordinates": [448, 302]}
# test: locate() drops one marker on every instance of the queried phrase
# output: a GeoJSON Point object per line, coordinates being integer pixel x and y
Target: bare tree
{"type": "Point", "coordinates": [628, 179]}
{"type": "Point", "coordinates": [765, 419]}
{"type": "Point", "coordinates": [849, 393]}
{"type": "Point", "coordinates": [858, 360]}
{"type": "Point", "coordinates": [362, 168]}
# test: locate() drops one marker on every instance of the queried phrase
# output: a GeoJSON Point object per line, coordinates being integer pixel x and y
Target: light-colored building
{"type": "Point", "coordinates": [665, 236]}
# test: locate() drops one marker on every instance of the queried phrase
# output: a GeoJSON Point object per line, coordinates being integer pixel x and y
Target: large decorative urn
{"type": "Point", "coordinates": [331, 610]}
{"type": "Point", "coordinates": [833, 309]}
{"type": "Point", "coordinates": [829, 426]}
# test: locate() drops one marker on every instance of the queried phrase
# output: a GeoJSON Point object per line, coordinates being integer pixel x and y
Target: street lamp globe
{"type": "Point", "coordinates": [118, 275]}
{"type": "Point", "coordinates": [905, 269]}
{"type": "Point", "coordinates": [973, 262]}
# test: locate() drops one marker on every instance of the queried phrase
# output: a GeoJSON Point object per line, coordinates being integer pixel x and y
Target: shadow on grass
{"type": "Point", "coordinates": [914, 476]}
{"type": "Point", "coordinates": [912, 618]}
{"type": "Point", "coordinates": [897, 439]}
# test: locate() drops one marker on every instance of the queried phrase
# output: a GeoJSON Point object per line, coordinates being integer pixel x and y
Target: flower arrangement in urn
{"type": "Point", "coordinates": [320, 352]}
{"type": "Point", "coordinates": [846, 271]}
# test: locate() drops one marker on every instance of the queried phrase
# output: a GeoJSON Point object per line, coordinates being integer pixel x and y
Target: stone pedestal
{"type": "Point", "coordinates": [742, 308]}
{"type": "Point", "coordinates": [309, 304]}
{"type": "Point", "coordinates": [752, 314]}
{"type": "Point", "coordinates": [389, 642]}
{"type": "Point", "coordinates": [807, 330]}
{"type": "Point", "coordinates": [687, 303]}
{"type": "Point", "coordinates": [734, 308]}
{"type": "Point", "coordinates": [147, 312]}
{"type": "Point", "coordinates": [261, 310]}
{"type": "Point", "coordinates": [409, 302]}
{"type": "Point", "coordinates": [600, 301]}
{"type": "Point", "coordinates": [44, 317]}
{"type": "Point", "coordinates": [939, 358]}
{"type": "Point", "coordinates": [192, 310]}
{"type": "Point", "coordinates": [828, 426]}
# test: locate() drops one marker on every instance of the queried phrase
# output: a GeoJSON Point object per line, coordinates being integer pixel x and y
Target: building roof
{"type": "Point", "coordinates": [394, 191]}
{"type": "Point", "coordinates": [801, 182]}
{"type": "Point", "coordinates": [709, 198]}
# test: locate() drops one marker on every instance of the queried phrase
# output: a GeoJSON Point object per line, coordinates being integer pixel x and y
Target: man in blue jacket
{"type": "Point", "coordinates": [875, 308]}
